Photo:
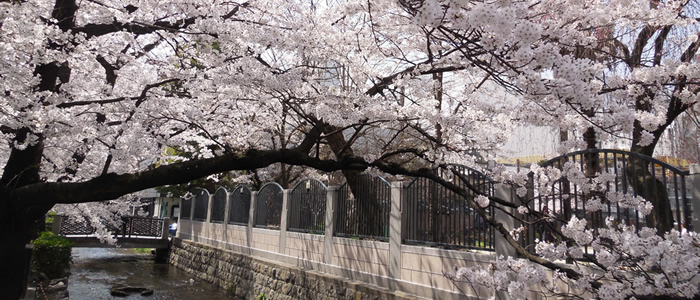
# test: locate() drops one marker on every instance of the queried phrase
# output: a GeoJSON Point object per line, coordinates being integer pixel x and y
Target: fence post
{"type": "Point", "coordinates": [695, 186]}
{"type": "Point", "coordinates": [501, 246]}
{"type": "Point", "coordinates": [180, 217]}
{"type": "Point", "coordinates": [251, 218]}
{"type": "Point", "coordinates": [226, 215]}
{"type": "Point", "coordinates": [206, 227]}
{"type": "Point", "coordinates": [397, 224]}
{"type": "Point", "coordinates": [331, 202]}
{"type": "Point", "coordinates": [56, 226]}
{"type": "Point", "coordinates": [192, 202]}
{"type": "Point", "coordinates": [227, 207]}
{"type": "Point", "coordinates": [165, 230]}
{"type": "Point", "coordinates": [286, 203]}
{"type": "Point", "coordinates": [209, 207]}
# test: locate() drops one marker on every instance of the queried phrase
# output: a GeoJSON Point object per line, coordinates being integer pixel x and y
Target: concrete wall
{"type": "Point", "coordinates": [305, 246]}
{"type": "Point", "coordinates": [364, 256]}
{"type": "Point", "coordinates": [426, 265]}
{"type": "Point", "coordinates": [248, 277]}
{"type": "Point", "coordinates": [237, 235]}
{"type": "Point", "coordinates": [266, 239]}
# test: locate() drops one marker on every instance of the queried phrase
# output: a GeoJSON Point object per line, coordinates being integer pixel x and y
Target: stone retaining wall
{"type": "Point", "coordinates": [247, 277]}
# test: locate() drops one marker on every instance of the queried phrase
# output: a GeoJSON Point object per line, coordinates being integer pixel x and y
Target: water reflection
{"type": "Point", "coordinates": [96, 270]}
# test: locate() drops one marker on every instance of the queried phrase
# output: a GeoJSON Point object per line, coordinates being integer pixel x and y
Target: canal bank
{"type": "Point", "coordinates": [95, 271]}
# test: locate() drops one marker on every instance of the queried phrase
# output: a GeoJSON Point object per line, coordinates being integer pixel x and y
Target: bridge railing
{"type": "Point", "coordinates": [131, 227]}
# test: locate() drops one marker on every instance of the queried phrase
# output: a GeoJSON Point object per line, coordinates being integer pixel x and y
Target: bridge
{"type": "Point", "coordinates": [135, 232]}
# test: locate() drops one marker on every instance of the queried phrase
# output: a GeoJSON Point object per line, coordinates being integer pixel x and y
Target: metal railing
{"type": "Point", "coordinates": [218, 206]}
{"type": "Point", "coordinates": [186, 208]}
{"type": "Point", "coordinates": [363, 211]}
{"type": "Point", "coordinates": [76, 226]}
{"type": "Point", "coordinates": [132, 226]}
{"type": "Point", "coordinates": [590, 177]}
{"type": "Point", "coordinates": [201, 204]}
{"type": "Point", "coordinates": [439, 217]}
{"type": "Point", "coordinates": [307, 211]}
{"type": "Point", "coordinates": [269, 206]}
{"type": "Point", "coordinates": [239, 209]}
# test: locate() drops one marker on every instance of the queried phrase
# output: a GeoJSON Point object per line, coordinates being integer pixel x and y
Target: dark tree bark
{"type": "Point", "coordinates": [367, 204]}
{"type": "Point", "coordinates": [18, 221]}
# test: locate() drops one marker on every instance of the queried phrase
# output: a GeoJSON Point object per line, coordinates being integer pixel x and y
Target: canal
{"type": "Point", "coordinates": [96, 270]}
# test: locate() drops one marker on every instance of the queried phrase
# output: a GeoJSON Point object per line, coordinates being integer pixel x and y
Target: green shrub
{"type": "Point", "coordinates": [49, 221]}
{"type": "Point", "coordinates": [52, 255]}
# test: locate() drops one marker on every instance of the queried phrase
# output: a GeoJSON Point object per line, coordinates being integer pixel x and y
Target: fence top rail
{"type": "Point", "coordinates": [372, 177]}
{"type": "Point", "coordinates": [201, 191]}
{"type": "Point", "coordinates": [616, 152]}
{"type": "Point", "coordinates": [311, 182]}
{"type": "Point", "coordinates": [271, 185]}
{"type": "Point", "coordinates": [72, 217]}
{"type": "Point", "coordinates": [224, 189]}
{"type": "Point", "coordinates": [459, 168]}
{"type": "Point", "coordinates": [240, 189]}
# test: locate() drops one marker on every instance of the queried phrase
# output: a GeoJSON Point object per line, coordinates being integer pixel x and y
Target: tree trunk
{"type": "Point", "coordinates": [367, 204]}
{"type": "Point", "coordinates": [18, 226]}
{"type": "Point", "coordinates": [592, 169]}
{"type": "Point", "coordinates": [646, 185]}
{"type": "Point", "coordinates": [18, 222]}
{"type": "Point", "coordinates": [368, 208]}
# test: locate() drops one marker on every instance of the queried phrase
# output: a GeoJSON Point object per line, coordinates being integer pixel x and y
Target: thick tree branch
{"type": "Point", "coordinates": [93, 30]}
{"type": "Point", "coordinates": [110, 75]}
{"type": "Point", "coordinates": [140, 98]}
{"type": "Point", "coordinates": [384, 82]}
{"type": "Point", "coordinates": [111, 186]}
{"type": "Point", "coordinates": [639, 44]}
{"type": "Point", "coordinates": [690, 52]}
{"type": "Point", "coordinates": [659, 44]}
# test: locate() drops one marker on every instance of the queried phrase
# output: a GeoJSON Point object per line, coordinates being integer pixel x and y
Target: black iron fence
{"type": "Point", "coordinates": [239, 209]}
{"type": "Point", "coordinates": [598, 183]}
{"type": "Point", "coordinates": [218, 206]}
{"type": "Point", "coordinates": [186, 208]}
{"type": "Point", "coordinates": [307, 211]}
{"type": "Point", "coordinates": [570, 185]}
{"type": "Point", "coordinates": [201, 205]}
{"type": "Point", "coordinates": [438, 216]}
{"type": "Point", "coordinates": [364, 208]}
{"type": "Point", "coordinates": [269, 206]}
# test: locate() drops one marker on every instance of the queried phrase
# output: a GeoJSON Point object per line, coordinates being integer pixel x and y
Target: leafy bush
{"type": "Point", "coordinates": [52, 255]}
{"type": "Point", "coordinates": [49, 221]}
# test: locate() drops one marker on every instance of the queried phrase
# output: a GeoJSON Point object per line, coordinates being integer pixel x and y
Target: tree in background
{"type": "Point", "coordinates": [93, 91]}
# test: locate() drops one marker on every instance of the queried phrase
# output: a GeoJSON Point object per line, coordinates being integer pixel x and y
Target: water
{"type": "Point", "coordinates": [96, 270]}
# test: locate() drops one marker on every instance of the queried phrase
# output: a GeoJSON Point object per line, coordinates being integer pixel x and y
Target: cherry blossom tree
{"type": "Point", "coordinates": [94, 91]}
{"type": "Point", "coordinates": [617, 71]}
